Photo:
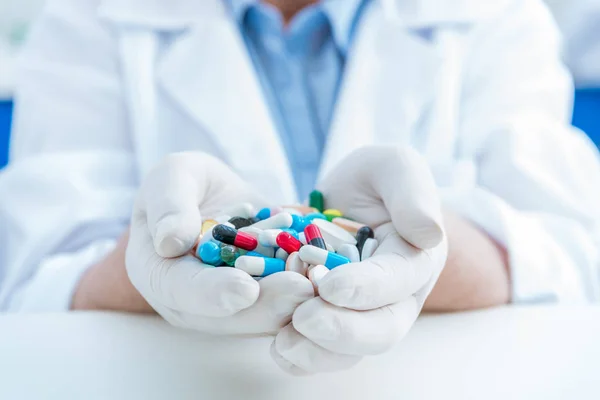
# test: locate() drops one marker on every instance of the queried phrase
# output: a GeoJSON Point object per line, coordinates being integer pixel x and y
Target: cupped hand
{"type": "Point", "coordinates": [166, 223]}
{"type": "Point", "coordinates": [365, 308]}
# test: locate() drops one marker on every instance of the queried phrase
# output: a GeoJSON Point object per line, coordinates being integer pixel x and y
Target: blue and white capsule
{"type": "Point", "coordinates": [315, 256]}
{"type": "Point", "coordinates": [259, 266]}
{"type": "Point", "coordinates": [282, 220]}
{"type": "Point", "coordinates": [265, 213]}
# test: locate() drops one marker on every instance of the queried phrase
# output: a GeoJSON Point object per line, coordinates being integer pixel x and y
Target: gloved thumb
{"type": "Point", "coordinates": [379, 184]}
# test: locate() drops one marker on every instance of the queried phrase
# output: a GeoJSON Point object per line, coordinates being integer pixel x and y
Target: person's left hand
{"type": "Point", "coordinates": [365, 308]}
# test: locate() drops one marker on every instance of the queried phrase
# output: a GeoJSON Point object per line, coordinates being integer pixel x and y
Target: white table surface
{"type": "Point", "coordinates": [507, 353]}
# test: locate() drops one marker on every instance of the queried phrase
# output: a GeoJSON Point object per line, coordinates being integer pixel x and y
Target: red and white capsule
{"type": "Point", "coordinates": [268, 237]}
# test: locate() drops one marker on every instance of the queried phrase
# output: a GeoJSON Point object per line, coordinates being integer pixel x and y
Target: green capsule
{"type": "Point", "coordinates": [315, 200]}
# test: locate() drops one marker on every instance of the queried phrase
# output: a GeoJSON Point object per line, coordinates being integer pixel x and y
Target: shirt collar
{"type": "Point", "coordinates": [342, 15]}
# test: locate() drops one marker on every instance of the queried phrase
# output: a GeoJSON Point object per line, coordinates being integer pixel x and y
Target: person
{"type": "Point", "coordinates": [443, 124]}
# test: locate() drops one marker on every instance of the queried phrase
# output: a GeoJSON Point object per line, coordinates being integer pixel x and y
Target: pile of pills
{"type": "Point", "coordinates": [309, 240]}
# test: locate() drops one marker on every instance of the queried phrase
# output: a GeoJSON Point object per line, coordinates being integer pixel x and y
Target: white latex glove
{"type": "Point", "coordinates": [166, 222]}
{"type": "Point", "coordinates": [365, 308]}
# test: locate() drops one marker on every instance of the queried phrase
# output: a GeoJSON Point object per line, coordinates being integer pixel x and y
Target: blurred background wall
{"type": "Point", "coordinates": [579, 20]}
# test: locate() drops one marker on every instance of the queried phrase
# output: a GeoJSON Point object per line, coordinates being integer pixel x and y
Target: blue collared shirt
{"type": "Point", "coordinates": [300, 67]}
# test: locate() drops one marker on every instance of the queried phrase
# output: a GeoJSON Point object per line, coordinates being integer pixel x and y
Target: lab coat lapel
{"type": "Point", "coordinates": [389, 80]}
{"type": "Point", "coordinates": [207, 73]}
{"type": "Point", "coordinates": [210, 75]}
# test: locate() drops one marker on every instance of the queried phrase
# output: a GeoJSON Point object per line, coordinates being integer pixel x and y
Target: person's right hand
{"type": "Point", "coordinates": [166, 223]}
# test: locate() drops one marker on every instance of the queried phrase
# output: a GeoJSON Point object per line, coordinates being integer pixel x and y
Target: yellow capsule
{"type": "Point", "coordinates": [331, 214]}
{"type": "Point", "coordinates": [348, 225]}
{"type": "Point", "coordinates": [206, 225]}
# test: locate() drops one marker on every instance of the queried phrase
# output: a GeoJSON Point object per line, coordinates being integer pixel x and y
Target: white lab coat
{"type": "Point", "coordinates": [579, 21]}
{"type": "Point", "coordinates": [108, 87]}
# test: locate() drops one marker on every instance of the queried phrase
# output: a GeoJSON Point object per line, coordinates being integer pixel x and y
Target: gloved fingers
{"type": "Point", "coordinates": [175, 191]}
{"type": "Point", "coordinates": [395, 272]}
{"type": "Point", "coordinates": [378, 184]}
{"type": "Point", "coordinates": [298, 355]}
{"type": "Point", "coordinates": [280, 295]}
{"type": "Point", "coordinates": [169, 199]}
{"type": "Point", "coordinates": [184, 284]}
{"type": "Point", "coordinates": [286, 365]}
{"type": "Point", "coordinates": [357, 333]}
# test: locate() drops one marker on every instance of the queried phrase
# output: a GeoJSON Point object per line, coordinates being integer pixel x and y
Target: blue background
{"type": "Point", "coordinates": [586, 116]}
{"type": "Point", "coordinates": [5, 118]}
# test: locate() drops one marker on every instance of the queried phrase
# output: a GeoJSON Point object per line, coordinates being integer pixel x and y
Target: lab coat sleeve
{"type": "Point", "coordinates": [68, 191]}
{"type": "Point", "coordinates": [538, 179]}
{"type": "Point", "coordinates": [579, 21]}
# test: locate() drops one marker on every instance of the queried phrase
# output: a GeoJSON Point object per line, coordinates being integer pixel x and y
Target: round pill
{"type": "Point", "coordinates": [369, 249]}
{"type": "Point", "coordinates": [350, 252]}
{"type": "Point", "coordinates": [333, 234]}
{"type": "Point", "coordinates": [259, 266]}
{"type": "Point", "coordinates": [295, 264]}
